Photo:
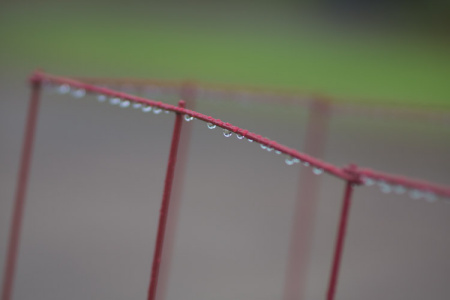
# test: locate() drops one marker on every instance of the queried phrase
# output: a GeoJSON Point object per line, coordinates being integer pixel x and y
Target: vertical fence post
{"type": "Point", "coordinates": [188, 93]}
{"type": "Point", "coordinates": [305, 205]}
{"type": "Point", "coordinates": [165, 203]}
{"type": "Point", "coordinates": [21, 189]}
{"type": "Point", "coordinates": [340, 238]}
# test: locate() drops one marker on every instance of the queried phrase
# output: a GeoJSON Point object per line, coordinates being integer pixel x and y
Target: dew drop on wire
{"type": "Point", "coordinates": [166, 111]}
{"type": "Point", "coordinates": [239, 136]}
{"type": "Point", "coordinates": [63, 89]}
{"type": "Point", "coordinates": [136, 105]}
{"type": "Point", "coordinates": [269, 149]}
{"type": "Point", "coordinates": [430, 197]}
{"type": "Point", "coordinates": [296, 160]}
{"type": "Point", "coordinates": [264, 147]}
{"type": "Point", "coordinates": [277, 152]}
{"type": "Point", "coordinates": [114, 101]}
{"type": "Point", "coordinates": [101, 98]}
{"type": "Point", "coordinates": [385, 187]}
{"type": "Point", "coordinates": [227, 133]}
{"type": "Point", "coordinates": [415, 194]}
{"type": "Point", "coordinates": [188, 118]}
{"type": "Point", "coordinates": [289, 161]}
{"type": "Point", "coordinates": [317, 171]}
{"type": "Point", "coordinates": [125, 103]}
{"type": "Point", "coordinates": [146, 108]}
{"type": "Point", "coordinates": [157, 110]}
{"type": "Point", "coordinates": [399, 189]}
{"type": "Point", "coordinates": [79, 93]}
{"type": "Point", "coordinates": [211, 125]}
{"type": "Point", "coordinates": [250, 140]}
{"type": "Point", "coordinates": [368, 181]}
{"type": "Point", "coordinates": [306, 164]}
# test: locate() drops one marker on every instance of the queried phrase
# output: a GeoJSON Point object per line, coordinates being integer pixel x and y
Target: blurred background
{"type": "Point", "coordinates": [98, 171]}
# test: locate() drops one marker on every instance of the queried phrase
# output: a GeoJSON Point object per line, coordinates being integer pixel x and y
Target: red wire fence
{"type": "Point", "coordinates": [320, 109]}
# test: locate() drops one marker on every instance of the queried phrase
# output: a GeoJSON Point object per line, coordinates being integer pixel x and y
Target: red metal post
{"type": "Point", "coordinates": [165, 203]}
{"type": "Point", "coordinates": [188, 93]}
{"type": "Point", "coordinates": [305, 206]}
{"type": "Point", "coordinates": [22, 182]}
{"type": "Point", "coordinates": [340, 238]}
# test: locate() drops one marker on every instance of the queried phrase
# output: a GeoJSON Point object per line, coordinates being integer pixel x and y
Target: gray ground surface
{"type": "Point", "coordinates": [97, 180]}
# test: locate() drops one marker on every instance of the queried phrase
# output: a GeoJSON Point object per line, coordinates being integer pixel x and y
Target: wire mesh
{"type": "Point", "coordinates": [351, 175]}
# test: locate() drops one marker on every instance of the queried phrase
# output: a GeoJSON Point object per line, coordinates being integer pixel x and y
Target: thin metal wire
{"type": "Point", "coordinates": [340, 239]}
{"type": "Point", "coordinates": [342, 173]}
{"type": "Point", "coordinates": [188, 93]}
{"type": "Point", "coordinates": [351, 176]}
{"type": "Point", "coordinates": [406, 182]}
{"type": "Point", "coordinates": [277, 96]}
{"type": "Point", "coordinates": [306, 203]}
{"type": "Point", "coordinates": [21, 190]}
{"type": "Point", "coordinates": [165, 203]}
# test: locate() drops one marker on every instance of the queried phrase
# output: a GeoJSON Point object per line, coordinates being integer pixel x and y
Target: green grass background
{"type": "Point", "coordinates": [96, 40]}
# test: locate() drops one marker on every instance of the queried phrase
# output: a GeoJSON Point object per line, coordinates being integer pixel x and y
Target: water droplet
{"type": "Point", "coordinates": [167, 111]}
{"type": "Point", "coordinates": [399, 189]}
{"type": "Point", "coordinates": [384, 187]}
{"type": "Point", "coordinates": [63, 89]}
{"type": "Point", "coordinates": [430, 197]}
{"type": "Point", "coordinates": [136, 105]}
{"type": "Point", "coordinates": [125, 103]}
{"type": "Point", "coordinates": [157, 110]}
{"type": "Point", "coordinates": [101, 98]}
{"type": "Point", "coordinates": [296, 160]}
{"type": "Point", "coordinates": [114, 101]}
{"type": "Point", "coordinates": [211, 125]}
{"type": "Point", "coordinates": [306, 164]}
{"type": "Point", "coordinates": [317, 171]}
{"type": "Point", "coordinates": [146, 108]}
{"type": "Point", "coordinates": [264, 147]}
{"type": "Point", "coordinates": [368, 181]}
{"type": "Point", "coordinates": [188, 118]}
{"type": "Point", "coordinates": [227, 133]}
{"type": "Point", "coordinates": [239, 136]}
{"type": "Point", "coordinates": [270, 149]}
{"type": "Point", "coordinates": [277, 152]}
{"type": "Point", "coordinates": [415, 194]}
{"type": "Point", "coordinates": [250, 140]}
{"type": "Point", "coordinates": [289, 161]}
{"type": "Point", "coordinates": [79, 93]}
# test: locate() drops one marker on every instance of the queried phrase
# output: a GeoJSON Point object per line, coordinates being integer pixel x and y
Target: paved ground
{"type": "Point", "coordinates": [97, 180]}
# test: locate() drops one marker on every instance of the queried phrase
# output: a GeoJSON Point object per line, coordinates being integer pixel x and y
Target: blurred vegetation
{"type": "Point", "coordinates": [275, 44]}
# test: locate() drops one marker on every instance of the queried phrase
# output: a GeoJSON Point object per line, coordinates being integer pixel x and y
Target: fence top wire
{"type": "Point", "coordinates": [387, 182]}
{"type": "Point", "coordinates": [302, 98]}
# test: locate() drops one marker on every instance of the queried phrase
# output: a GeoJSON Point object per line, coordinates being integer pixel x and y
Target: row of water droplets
{"type": "Point", "coordinates": [80, 93]}
{"type": "Point", "coordinates": [385, 187]}
{"type": "Point", "coordinates": [398, 189]}
{"type": "Point", "coordinates": [289, 160]}
{"type": "Point", "coordinates": [65, 89]}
